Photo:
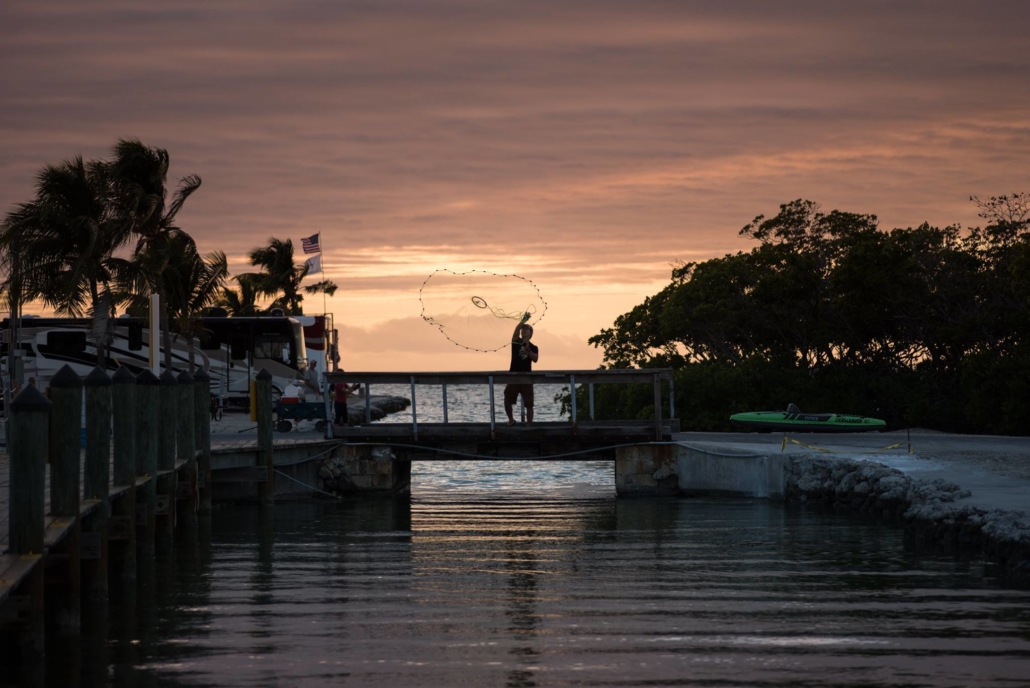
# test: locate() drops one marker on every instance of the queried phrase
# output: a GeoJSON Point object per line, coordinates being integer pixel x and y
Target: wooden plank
{"type": "Point", "coordinates": [57, 528]}
{"type": "Point", "coordinates": [14, 568]}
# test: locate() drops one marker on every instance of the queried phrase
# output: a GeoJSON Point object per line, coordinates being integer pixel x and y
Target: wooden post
{"type": "Point", "coordinates": [146, 463]}
{"type": "Point", "coordinates": [168, 403]}
{"type": "Point", "coordinates": [63, 577]}
{"type": "Point", "coordinates": [186, 450]}
{"type": "Point", "coordinates": [122, 556]}
{"type": "Point", "coordinates": [202, 433]}
{"type": "Point", "coordinates": [30, 421]}
{"type": "Point", "coordinates": [97, 483]}
{"type": "Point", "coordinates": [263, 401]}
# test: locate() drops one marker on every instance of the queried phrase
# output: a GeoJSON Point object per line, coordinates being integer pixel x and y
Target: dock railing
{"type": "Point", "coordinates": [571, 378]}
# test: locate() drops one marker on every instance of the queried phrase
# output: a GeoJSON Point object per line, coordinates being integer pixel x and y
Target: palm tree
{"type": "Point", "coordinates": [190, 283]}
{"type": "Point", "coordinates": [139, 179]}
{"type": "Point", "coordinates": [61, 244]}
{"type": "Point", "coordinates": [242, 302]}
{"type": "Point", "coordinates": [280, 277]}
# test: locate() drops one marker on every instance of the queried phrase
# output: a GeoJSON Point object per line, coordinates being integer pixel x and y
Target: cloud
{"type": "Point", "coordinates": [584, 144]}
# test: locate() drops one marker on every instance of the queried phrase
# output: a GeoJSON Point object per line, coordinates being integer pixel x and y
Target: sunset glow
{"type": "Point", "coordinates": [588, 146]}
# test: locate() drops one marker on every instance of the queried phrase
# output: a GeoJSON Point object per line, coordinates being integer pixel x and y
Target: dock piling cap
{"type": "Point", "coordinates": [123, 376]}
{"type": "Point", "coordinates": [168, 378]}
{"type": "Point", "coordinates": [30, 399]}
{"type": "Point", "coordinates": [185, 378]}
{"type": "Point", "coordinates": [98, 377]}
{"type": "Point", "coordinates": [146, 378]}
{"type": "Point", "coordinates": [263, 375]}
{"type": "Point", "coordinates": [201, 376]}
{"type": "Point", "coordinates": [66, 378]}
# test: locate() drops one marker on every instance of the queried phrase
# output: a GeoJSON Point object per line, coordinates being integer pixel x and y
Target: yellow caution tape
{"type": "Point", "coordinates": [791, 440]}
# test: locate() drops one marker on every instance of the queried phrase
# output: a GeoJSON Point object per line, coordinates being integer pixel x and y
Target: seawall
{"type": "Point", "coordinates": [944, 500]}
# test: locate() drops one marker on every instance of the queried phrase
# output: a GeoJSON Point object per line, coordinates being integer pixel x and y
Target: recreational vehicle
{"type": "Point", "coordinates": [232, 350]}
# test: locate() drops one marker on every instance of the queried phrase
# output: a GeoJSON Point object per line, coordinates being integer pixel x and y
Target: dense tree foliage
{"type": "Point", "coordinates": [921, 326]}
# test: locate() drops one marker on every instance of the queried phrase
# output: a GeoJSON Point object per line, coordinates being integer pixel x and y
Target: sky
{"type": "Point", "coordinates": [587, 146]}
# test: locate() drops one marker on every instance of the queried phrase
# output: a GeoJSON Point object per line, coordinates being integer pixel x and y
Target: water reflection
{"type": "Point", "coordinates": [550, 588]}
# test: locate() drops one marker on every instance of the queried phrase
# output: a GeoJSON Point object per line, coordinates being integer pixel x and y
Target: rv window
{"type": "Point", "coordinates": [273, 347]}
{"type": "Point", "coordinates": [135, 337]}
{"type": "Point", "coordinates": [66, 342]}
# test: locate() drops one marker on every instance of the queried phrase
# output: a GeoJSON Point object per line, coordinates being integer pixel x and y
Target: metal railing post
{"type": "Point", "coordinates": [445, 403]}
{"type": "Point", "coordinates": [330, 417]}
{"type": "Point", "coordinates": [490, 381]}
{"type": "Point", "coordinates": [572, 389]}
{"type": "Point", "coordinates": [657, 406]}
{"type": "Point", "coordinates": [590, 389]}
{"type": "Point", "coordinates": [672, 399]}
{"type": "Point", "coordinates": [414, 411]}
{"type": "Point", "coordinates": [368, 402]}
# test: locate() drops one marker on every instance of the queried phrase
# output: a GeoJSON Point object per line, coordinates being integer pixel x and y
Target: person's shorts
{"type": "Point", "coordinates": [512, 392]}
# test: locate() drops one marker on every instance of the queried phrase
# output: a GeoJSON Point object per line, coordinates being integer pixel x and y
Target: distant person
{"type": "Point", "coordinates": [523, 355]}
{"type": "Point", "coordinates": [312, 381]}
{"type": "Point", "coordinates": [340, 395]}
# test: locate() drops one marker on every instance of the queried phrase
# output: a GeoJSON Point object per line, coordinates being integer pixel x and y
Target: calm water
{"type": "Point", "coordinates": [466, 403]}
{"type": "Point", "coordinates": [548, 580]}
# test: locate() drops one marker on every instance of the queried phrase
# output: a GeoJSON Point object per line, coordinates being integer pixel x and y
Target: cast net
{"type": "Point", "coordinates": [478, 310]}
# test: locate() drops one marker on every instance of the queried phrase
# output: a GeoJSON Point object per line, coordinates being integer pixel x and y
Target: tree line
{"type": "Point", "coordinates": [923, 326]}
{"type": "Point", "coordinates": [103, 234]}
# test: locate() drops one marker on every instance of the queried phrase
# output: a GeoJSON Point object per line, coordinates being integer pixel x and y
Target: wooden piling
{"type": "Point", "coordinates": [63, 581]}
{"type": "Point", "coordinates": [30, 421]}
{"type": "Point", "coordinates": [168, 402]}
{"type": "Point", "coordinates": [185, 444]}
{"type": "Point", "coordinates": [146, 464]}
{"type": "Point", "coordinates": [96, 486]}
{"type": "Point", "coordinates": [202, 433]}
{"type": "Point", "coordinates": [122, 538]}
{"type": "Point", "coordinates": [263, 405]}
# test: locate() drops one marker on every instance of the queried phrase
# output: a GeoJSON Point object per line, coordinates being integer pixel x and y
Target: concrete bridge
{"type": "Point", "coordinates": [637, 447]}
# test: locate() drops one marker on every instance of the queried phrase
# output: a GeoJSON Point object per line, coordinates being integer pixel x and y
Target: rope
{"type": "Point", "coordinates": [290, 477]}
{"type": "Point", "coordinates": [545, 457]}
{"type": "Point", "coordinates": [791, 440]}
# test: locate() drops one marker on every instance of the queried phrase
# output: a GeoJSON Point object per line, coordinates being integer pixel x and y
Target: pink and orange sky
{"type": "Point", "coordinates": [586, 145]}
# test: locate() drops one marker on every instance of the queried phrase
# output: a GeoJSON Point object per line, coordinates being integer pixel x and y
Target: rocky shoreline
{"type": "Point", "coordinates": [928, 510]}
{"type": "Point", "coordinates": [381, 406]}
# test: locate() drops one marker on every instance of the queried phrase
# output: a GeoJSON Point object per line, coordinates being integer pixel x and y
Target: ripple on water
{"type": "Point", "coordinates": [555, 582]}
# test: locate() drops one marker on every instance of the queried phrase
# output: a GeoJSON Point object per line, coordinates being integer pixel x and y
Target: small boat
{"type": "Point", "coordinates": [794, 419]}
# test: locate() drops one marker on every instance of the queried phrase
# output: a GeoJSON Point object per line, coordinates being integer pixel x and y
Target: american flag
{"type": "Point", "coordinates": [311, 244]}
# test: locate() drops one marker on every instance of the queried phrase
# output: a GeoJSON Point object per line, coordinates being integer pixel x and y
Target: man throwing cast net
{"type": "Point", "coordinates": [523, 355]}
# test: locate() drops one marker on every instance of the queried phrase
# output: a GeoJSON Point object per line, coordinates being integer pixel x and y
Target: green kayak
{"type": "Point", "coordinates": [794, 419]}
